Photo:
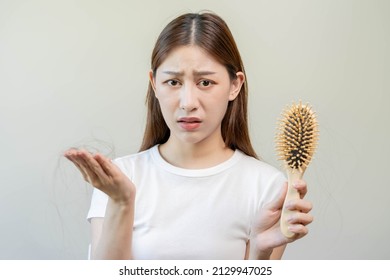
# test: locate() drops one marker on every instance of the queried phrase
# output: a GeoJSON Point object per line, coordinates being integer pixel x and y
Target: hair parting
{"type": "Point", "coordinates": [211, 33]}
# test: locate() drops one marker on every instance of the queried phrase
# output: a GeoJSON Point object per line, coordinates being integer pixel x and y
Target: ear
{"type": "Point", "coordinates": [152, 80]}
{"type": "Point", "coordinates": [236, 85]}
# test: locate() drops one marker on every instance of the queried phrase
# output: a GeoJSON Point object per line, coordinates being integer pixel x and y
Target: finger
{"type": "Point", "coordinates": [301, 187]}
{"type": "Point", "coordinates": [277, 204]}
{"type": "Point", "coordinates": [82, 171]}
{"type": "Point", "coordinates": [300, 218]}
{"type": "Point", "coordinates": [70, 150]}
{"type": "Point", "coordinates": [79, 158]}
{"type": "Point", "coordinates": [93, 165]}
{"type": "Point", "coordinates": [106, 164]}
{"type": "Point", "coordinates": [299, 205]}
{"type": "Point", "coordinates": [299, 230]}
{"type": "Point", "coordinates": [71, 156]}
{"type": "Point", "coordinates": [80, 164]}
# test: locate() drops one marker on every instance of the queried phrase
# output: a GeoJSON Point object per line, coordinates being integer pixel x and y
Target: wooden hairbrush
{"type": "Point", "coordinates": [296, 142]}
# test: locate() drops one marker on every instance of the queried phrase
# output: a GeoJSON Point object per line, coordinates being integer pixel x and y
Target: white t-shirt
{"type": "Point", "coordinates": [194, 213]}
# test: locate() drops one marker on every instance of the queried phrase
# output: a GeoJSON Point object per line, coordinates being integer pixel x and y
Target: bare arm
{"type": "Point", "coordinates": [277, 253]}
{"type": "Point", "coordinates": [96, 232]}
{"type": "Point", "coordinates": [274, 254]}
{"type": "Point", "coordinates": [111, 236]}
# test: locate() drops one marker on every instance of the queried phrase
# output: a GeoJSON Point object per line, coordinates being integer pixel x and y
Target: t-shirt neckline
{"type": "Point", "coordinates": [158, 159]}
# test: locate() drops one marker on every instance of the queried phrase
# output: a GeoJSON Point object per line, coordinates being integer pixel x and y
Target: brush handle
{"type": "Point", "coordinates": [292, 194]}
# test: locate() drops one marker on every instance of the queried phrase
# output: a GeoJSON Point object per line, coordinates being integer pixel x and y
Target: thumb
{"type": "Point", "coordinates": [277, 203]}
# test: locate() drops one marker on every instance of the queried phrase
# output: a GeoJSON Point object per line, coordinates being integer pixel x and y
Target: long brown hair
{"type": "Point", "coordinates": [211, 33]}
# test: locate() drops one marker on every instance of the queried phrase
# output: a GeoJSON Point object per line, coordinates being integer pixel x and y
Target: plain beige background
{"type": "Point", "coordinates": [74, 73]}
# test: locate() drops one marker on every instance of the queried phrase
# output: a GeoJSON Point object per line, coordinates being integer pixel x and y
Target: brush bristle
{"type": "Point", "coordinates": [297, 136]}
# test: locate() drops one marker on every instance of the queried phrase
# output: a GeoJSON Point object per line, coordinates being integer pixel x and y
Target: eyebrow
{"type": "Point", "coordinates": [195, 73]}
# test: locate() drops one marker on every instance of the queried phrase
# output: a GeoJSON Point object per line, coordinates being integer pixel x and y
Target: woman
{"type": "Point", "coordinates": [196, 189]}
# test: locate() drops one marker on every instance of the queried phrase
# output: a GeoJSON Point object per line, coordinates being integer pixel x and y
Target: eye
{"type": "Point", "coordinates": [205, 83]}
{"type": "Point", "coordinates": [172, 83]}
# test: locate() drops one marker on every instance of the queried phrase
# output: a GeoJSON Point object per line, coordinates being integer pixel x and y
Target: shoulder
{"type": "Point", "coordinates": [264, 176]}
{"type": "Point", "coordinates": [268, 180]}
{"type": "Point", "coordinates": [129, 162]}
{"type": "Point", "coordinates": [260, 180]}
{"type": "Point", "coordinates": [255, 165]}
{"type": "Point", "coordinates": [140, 156]}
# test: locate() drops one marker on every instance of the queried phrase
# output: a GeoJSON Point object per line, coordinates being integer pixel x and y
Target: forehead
{"type": "Point", "coordinates": [190, 58]}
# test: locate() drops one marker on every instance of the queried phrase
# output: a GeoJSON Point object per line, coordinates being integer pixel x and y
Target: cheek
{"type": "Point", "coordinates": [217, 109]}
{"type": "Point", "coordinates": [167, 105]}
{"type": "Point", "coordinates": [163, 96]}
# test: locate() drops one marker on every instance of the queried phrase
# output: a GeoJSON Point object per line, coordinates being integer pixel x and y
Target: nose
{"type": "Point", "coordinates": [189, 98]}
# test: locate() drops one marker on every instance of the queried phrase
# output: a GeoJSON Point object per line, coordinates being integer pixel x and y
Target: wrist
{"type": "Point", "coordinates": [264, 254]}
{"type": "Point", "coordinates": [124, 200]}
{"type": "Point", "coordinates": [121, 206]}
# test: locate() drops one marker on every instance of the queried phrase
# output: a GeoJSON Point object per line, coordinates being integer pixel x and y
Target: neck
{"type": "Point", "coordinates": [194, 155]}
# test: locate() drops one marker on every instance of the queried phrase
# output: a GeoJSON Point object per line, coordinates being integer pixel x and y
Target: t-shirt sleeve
{"type": "Point", "coordinates": [273, 188]}
{"type": "Point", "coordinates": [271, 192]}
{"type": "Point", "coordinates": [98, 205]}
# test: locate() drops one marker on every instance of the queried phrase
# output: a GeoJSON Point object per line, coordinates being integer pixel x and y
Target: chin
{"type": "Point", "coordinates": [189, 138]}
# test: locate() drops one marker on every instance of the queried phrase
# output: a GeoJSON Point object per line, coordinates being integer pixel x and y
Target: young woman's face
{"type": "Point", "coordinates": [193, 90]}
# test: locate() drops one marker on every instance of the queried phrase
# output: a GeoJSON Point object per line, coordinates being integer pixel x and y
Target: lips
{"type": "Point", "coordinates": [189, 123]}
{"type": "Point", "coordinates": [189, 120]}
